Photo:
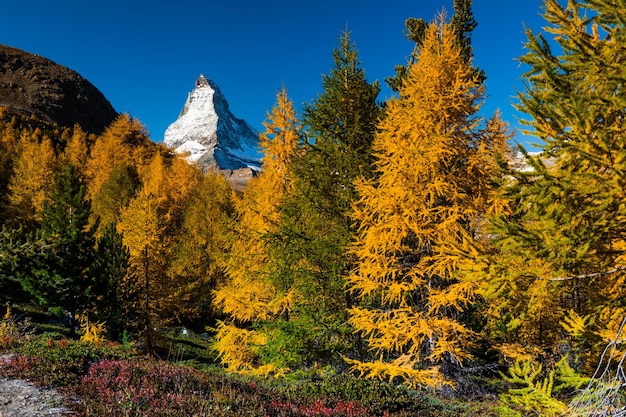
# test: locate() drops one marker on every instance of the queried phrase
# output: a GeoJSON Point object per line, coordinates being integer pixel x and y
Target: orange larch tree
{"type": "Point", "coordinates": [420, 216]}
{"type": "Point", "coordinates": [32, 181]}
{"type": "Point", "coordinates": [248, 295]}
{"type": "Point", "coordinates": [125, 141]}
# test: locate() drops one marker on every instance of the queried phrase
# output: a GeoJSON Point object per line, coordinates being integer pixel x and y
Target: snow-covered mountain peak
{"type": "Point", "coordinates": [202, 81]}
{"type": "Point", "coordinates": [211, 135]}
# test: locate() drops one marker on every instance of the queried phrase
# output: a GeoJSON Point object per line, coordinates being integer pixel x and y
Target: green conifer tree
{"type": "Point", "coordinates": [562, 249]}
{"type": "Point", "coordinates": [463, 23]}
{"type": "Point", "coordinates": [112, 294]}
{"type": "Point", "coordinates": [58, 272]}
{"type": "Point", "coordinates": [308, 255]}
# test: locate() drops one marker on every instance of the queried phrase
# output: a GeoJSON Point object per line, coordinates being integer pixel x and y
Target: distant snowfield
{"type": "Point", "coordinates": [193, 149]}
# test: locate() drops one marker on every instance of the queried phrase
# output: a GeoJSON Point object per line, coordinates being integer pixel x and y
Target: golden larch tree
{"type": "Point", "coordinates": [560, 255]}
{"type": "Point", "coordinates": [125, 141]}
{"type": "Point", "coordinates": [142, 229]}
{"type": "Point", "coordinates": [32, 180]}
{"type": "Point", "coordinates": [200, 245]}
{"type": "Point", "coordinates": [170, 179]}
{"type": "Point", "coordinates": [248, 294]}
{"type": "Point", "coordinates": [419, 218]}
{"type": "Point", "coordinates": [76, 147]}
{"type": "Point", "coordinates": [150, 225]}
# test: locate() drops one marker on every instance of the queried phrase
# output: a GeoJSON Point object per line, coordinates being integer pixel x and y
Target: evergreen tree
{"type": "Point", "coordinates": [308, 253]}
{"type": "Point", "coordinates": [8, 257]}
{"type": "Point", "coordinates": [561, 251]}
{"type": "Point", "coordinates": [112, 294]}
{"type": "Point", "coordinates": [463, 23]}
{"type": "Point", "coordinates": [59, 274]}
{"type": "Point", "coordinates": [419, 215]}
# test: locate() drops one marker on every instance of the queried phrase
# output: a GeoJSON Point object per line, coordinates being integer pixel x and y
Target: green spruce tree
{"type": "Point", "coordinates": [308, 255]}
{"type": "Point", "coordinates": [463, 24]}
{"type": "Point", "coordinates": [112, 294]}
{"type": "Point", "coordinates": [58, 268]}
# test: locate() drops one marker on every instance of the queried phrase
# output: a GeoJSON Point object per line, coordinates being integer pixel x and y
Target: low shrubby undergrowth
{"type": "Point", "coordinates": [110, 379]}
{"type": "Point", "coordinates": [141, 387]}
{"type": "Point", "coordinates": [57, 362]}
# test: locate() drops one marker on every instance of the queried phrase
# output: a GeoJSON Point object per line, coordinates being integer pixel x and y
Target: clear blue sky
{"type": "Point", "coordinates": [146, 55]}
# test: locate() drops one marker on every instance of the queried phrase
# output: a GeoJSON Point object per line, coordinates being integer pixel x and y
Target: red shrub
{"type": "Point", "coordinates": [318, 409]}
{"type": "Point", "coordinates": [141, 387]}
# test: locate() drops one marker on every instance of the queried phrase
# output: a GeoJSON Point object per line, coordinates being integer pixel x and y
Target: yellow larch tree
{"type": "Point", "coordinates": [199, 245]}
{"type": "Point", "coordinates": [117, 158]}
{"type": "Point", "coordinates": [77, 147]}
{"type": "Point", "coordinates": [149, 226]}
{"type": "Point", "coordinates": [248, 295]}
{"type": "Point", "coordinates": [115, 193]}
{"type": "Point", "coordinates": [8, 148]}
{"type": "Point", "coordinates": [32, 180]}
{"type": "Point", "coordinates": [125, 141]}
{"type": "Point", "coordinates": [419, 218]}
{"type": "Point", "coordinates": [558, 269]}
{"type": "Point", "coordinates": [171, 182]}
{"type": "Point", "coordinates": [170, 179]}
{"type": "Point", "coordinates": [142, 229]}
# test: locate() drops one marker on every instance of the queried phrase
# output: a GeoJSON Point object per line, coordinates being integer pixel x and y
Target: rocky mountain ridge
{"type": "Point", "coordinates": [32, 84]}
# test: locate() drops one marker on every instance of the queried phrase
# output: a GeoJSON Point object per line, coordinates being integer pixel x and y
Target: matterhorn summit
{"type": "Point", "coordinates": [211, 135]}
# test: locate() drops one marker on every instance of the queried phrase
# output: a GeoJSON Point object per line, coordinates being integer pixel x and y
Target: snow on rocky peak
{"type": "Point", "coordinates": [210, 134]}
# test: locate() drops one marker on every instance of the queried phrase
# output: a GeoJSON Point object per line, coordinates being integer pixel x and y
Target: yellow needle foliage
{"type": "Point", "coordinates": [32, 181]}
{"type": "Point", "coordinates": [148, 225]}
{"type": "Point", "coordinates": [558, 257]}
{"type": "Point", "coordinates": [238, 349]}
{"type": "Point", "coordinates": [92, 331]}
{"type": "Point", "coordinates": [248, 295]}
{"type": "Point", "coordinates": [419, 218]}
{"type": "Point", "coordinates": [199, 244]}
{"type": "Point", "coordinates": [76, 148]}
{"type": "Point", "coordinates": [125, 141]}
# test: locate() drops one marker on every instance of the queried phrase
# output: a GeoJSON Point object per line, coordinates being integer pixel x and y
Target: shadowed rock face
{"type": "Point", "coordinates": [34, 84]}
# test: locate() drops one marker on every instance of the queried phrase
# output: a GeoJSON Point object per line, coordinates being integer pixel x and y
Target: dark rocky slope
{"type": "Point", "coordinates": [36, 85]}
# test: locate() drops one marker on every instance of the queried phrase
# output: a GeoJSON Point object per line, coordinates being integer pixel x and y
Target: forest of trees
{"type": "Point", "coordinates": [397, 240]}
